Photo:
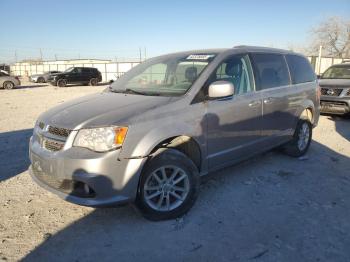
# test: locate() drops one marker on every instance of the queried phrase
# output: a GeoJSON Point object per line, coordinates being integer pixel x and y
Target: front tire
{"type": "Point", "coordinates": [62, 83]}
{"type": "Point", "coordinates": [168, 186]}
{"type": "Point", "coordinates": [300, 143]}
{"type": "Point", "coordinates": [41, 80]}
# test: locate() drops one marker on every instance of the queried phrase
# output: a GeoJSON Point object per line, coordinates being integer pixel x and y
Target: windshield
{"type": "Point", "coordinates": [69, 70]}
{"type": "Point", "coordinates": [337, 72]}
{"type": "Point", "coordinates": [163, 76]}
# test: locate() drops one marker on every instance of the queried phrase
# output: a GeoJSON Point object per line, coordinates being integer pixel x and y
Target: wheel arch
{"type": "Point", "coordinates": [306, 111]}
{"type": "Point", "coordinates": [185, 144]}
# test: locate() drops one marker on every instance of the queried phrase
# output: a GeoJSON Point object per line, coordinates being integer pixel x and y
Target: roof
{"type": "Point", "coordinates": [243, 48]}
{"type": "Point", "coordinates": [263, 49]}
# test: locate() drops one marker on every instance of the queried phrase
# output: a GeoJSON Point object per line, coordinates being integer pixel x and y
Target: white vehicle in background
{"type": "Point", "coordinates": [43, 78]}
{"type": "Point", "coordinates": [7, 81]}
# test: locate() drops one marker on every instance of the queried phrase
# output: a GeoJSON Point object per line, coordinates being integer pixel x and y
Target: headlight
{"type": "Point", "coordinates": [101, 139]}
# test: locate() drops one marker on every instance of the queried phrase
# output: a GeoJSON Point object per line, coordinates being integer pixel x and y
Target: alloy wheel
{"type": "Point", "coordinates": [166, 188]}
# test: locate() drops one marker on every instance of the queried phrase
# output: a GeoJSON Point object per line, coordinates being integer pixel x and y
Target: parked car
{"type": "Point", "coordinates": [75, 75]}
{"type": "Point", "coordinates": [155, 131]}
{"type": "Point", "coordinates": [4, 72]}
{"type": "Point", "coordinates": [43, 78]}
{"type": "Point", "coordinates": [335, 89]}
{"type": "Point", "coordinates": [8, 82]}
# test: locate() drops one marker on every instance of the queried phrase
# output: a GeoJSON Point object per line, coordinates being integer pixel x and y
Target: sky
{"type": "Point", "coordinates": [105, 29]}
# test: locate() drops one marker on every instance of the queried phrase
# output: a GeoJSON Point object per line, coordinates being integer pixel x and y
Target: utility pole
{"type": "Point", "coordinates": [41, 54]}
{"type": "Point", "coordinates": [55, 57]}
{"type": "Point", "coordinates": [16, 56]}
{"type": "Point", "coordinates": [319, 60]}
{"type": "Point", "coordinates": [145, 54]}
{"type": "Point", "coordinates": [140, 54]}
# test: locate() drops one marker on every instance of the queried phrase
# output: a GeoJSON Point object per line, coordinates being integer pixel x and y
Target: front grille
{"type": "Point", "coordinates": [331, 91]}
{"type": "Point", "coordinates": [66, 186]}
{"type": "Point", "coordinates": [52, 145]}
{"type": "Point", "coordinates": [62, 132]}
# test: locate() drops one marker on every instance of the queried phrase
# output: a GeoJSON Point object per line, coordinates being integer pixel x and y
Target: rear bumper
{"type": "Point", "coordinates": [335, 105]}
{"type": "Point", "coordinates": [84, 177]}
{"type": "Point", "coordinates": [34, 80]}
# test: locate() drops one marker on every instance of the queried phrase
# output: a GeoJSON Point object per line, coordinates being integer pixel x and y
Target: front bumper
{"type": "Point", "coordinates": [84, 177]}
{"type": "Point", "coordinates": [335, 105]}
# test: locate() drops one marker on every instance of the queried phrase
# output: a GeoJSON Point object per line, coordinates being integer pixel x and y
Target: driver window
{"type": "Point", "coordinates": [236, 70]}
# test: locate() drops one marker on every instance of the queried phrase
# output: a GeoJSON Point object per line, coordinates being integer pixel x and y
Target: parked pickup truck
{"type": "Point", "coordinates": [335, 89]}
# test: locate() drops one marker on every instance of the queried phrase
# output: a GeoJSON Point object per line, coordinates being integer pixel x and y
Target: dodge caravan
{"type": "Point", "coordinates": [150, 136]}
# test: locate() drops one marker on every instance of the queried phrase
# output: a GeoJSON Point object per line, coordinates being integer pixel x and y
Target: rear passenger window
{"type": "Point", "coordinates": [270, 70]}
{"type": "Point", "coordinates": [300, 69]}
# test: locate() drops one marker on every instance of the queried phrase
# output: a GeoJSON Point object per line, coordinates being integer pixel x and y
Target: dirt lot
{"type": "Point", "coordinates": [270, 208]}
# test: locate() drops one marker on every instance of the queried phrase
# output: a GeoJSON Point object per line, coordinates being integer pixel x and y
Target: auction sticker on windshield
{"type": "Point", "coordinates": [199, 57]}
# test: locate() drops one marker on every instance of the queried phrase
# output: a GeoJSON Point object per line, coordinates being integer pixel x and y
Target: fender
{"type": "Point", "coordinates": [143, 147]}
{"type": "Point", "coordinates": [305, 104]}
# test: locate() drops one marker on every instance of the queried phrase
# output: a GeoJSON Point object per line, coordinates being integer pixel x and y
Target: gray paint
{"type": "Point", "coordinates": [227, 130]}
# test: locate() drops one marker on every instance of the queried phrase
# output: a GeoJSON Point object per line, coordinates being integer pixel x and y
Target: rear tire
{"type": "Point", "coordinates": [168, 186]}
{"type": "Point", "coordinates": [8, 85]}
{"type": "Point", "coordinates": [302, 137]}
{"type": "Point", "coordinates": [93, 82]}
{"type": "Point", "coordinates": [62, 83]}
{"type": "Point", "coordinates": [41, 80]}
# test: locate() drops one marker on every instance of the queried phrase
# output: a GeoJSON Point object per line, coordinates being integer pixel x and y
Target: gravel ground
{"type": "Point", "coordinates": [270, 208]}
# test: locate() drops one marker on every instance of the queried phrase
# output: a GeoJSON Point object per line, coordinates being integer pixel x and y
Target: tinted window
{"type": "Point", "coordinates": [236, 70]}
{"type": "Point", "coordinates": [300, 69]}
{"type": "Point", "coordinates": [86, 70]}
{"type": "Point", "coordinates": [270, 70]}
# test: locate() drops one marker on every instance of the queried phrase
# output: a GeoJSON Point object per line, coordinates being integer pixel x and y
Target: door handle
{"type": "Point", "coordinates": [254, 103]}
{"type": "Point", "coordinates": [268, 100]}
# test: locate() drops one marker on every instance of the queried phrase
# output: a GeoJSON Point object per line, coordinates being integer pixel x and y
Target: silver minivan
{"type": "Point", "coordinates": [151, 135]}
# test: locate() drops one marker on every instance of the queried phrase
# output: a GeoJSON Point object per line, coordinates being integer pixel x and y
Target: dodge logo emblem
{"type": "Point", "coordinates": [330, 92]}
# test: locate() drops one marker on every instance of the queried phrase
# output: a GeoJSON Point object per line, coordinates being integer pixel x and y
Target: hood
{"type": "Point", "coordinates": [334, 82]}
{"type": "Point", "coordinates": [102, 109]}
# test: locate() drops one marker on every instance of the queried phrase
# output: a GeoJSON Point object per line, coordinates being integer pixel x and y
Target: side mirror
{"type": "Point", "coordinates": [221, 89]}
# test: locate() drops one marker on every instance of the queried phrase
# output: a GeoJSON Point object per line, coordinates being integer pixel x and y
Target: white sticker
{"type": "Point", "coordinates": [199, 57]}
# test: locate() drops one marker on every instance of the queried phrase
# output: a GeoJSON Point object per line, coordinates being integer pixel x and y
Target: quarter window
{"type": "Point", "coordinates": [270, 70]}
{"type": "Point", "coordinates": [300, 69]}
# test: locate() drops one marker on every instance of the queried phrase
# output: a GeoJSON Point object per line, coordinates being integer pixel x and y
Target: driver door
{"type": "Point", "coordinates": [234, 124]}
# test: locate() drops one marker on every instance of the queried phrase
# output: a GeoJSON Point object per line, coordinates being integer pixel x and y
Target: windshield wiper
{"type": "Point", "coordinates": [137, 92]}
{"type": "Point", "coordinates": [133, 91]}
